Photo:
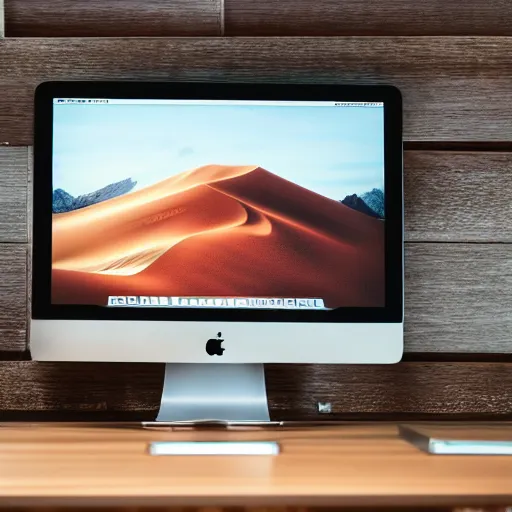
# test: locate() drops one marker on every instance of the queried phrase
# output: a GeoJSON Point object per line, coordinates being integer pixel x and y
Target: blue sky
{"type": "Point", "coordinates": [333, 151]}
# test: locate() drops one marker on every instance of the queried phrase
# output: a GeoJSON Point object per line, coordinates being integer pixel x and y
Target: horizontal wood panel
{"type": "Point", "coordinates": [13, 296]}
{"type": "Point", "coordinates": [347, 467]}
{"type": "Point", "coordinates": [407, 390]}
{"type": "Point", "coordinates": [449, 196]}
{"type": "Point", "coordinates": [454, 89]}
{"type": "Point", "coordinates": [457, 297]}
{"type": "Point", "coordinates": [2, 27]}
{"type": "Point", "coordinates": [367, 17]}
{"type": "Point", "coordinates": [97, 18]}
{"type": "Point", "coordinates": [458, 197]}
{"type": "Point", "coordinates": [282, 508]}
{"type": "Point", "coordinates": [269, 508]}
{"type": "Point", "coordinates": [13, 194]}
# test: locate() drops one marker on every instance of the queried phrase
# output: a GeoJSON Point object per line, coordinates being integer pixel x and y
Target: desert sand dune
{"type": "Point", "coordinates": [277, 197]}
{"type": "Point", "coordinates": [219, 231]}
{"type": "Point", "coordinates": [125, 204]}
{"type": "Point", "coordinates": [152, 227]}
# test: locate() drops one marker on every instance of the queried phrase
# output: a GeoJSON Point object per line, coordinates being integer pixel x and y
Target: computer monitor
{"type": "Point", "coordinates": [190, 223]}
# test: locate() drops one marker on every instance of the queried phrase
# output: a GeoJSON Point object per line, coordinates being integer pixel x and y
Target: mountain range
{"type": "Point", "coordinates": [65, 202]}
{"type": "Point", "coordinates": [370, 203]}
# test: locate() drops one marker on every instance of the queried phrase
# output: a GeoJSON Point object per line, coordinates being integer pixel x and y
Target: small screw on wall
{"type": "Point", "coordinates": [324, 407]}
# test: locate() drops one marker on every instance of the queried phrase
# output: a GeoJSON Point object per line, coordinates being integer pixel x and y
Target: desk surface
{"type": "Point", "coordinates": [345, 465]}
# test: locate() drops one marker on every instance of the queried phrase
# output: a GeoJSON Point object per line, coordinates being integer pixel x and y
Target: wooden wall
{"type": "Point", "coordinates": [453, 62]}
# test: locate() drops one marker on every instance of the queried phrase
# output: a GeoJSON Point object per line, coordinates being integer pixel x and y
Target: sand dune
{"type": "Point", "coordinates": [132, 231]}
{"type": "Point", "coordinates": [220, 231]}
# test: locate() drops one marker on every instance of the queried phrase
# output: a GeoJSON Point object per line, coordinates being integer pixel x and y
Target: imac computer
{"type": "Point", "coordinates": [215, 228]}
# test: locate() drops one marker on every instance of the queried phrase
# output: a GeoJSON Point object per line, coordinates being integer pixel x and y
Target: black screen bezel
{"type": "Point", "coordinates": [42, 308]}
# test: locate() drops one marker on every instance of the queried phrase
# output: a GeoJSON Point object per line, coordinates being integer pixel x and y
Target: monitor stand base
{"type": "Point", "coordinates": [218, 394]}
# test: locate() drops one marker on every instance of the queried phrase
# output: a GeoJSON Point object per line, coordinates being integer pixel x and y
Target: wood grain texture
{"type": "Point", "coordinates": [368, 17]}
{"type": "Point", "coordinates": [96, 508]}
{"type": "Point", "coordinates": [339, 465]}
{"type": "Point", "coordinates": [13, 194]}
{"type": "Point", "coordinates": [96, 18]}
{"type": "Point", "coordinates": [457, 297]}
{"type": "Point", "coordinates": [454, 89]}
{"type": "Point", "coordinates": [13, 297]}
{"type": "Point", "coordinates": [458, 197]}
{"type": "Point", "coordinates": [109, 391]}
{"type": "Point", "coordinates": [2, 19]}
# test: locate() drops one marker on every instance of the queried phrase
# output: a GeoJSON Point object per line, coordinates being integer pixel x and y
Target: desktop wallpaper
{"type": "Point", "coordinates": [218, 201]}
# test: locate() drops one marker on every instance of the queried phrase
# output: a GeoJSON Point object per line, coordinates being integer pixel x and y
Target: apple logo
{"type": "Point", "coordinates": [213, 346]}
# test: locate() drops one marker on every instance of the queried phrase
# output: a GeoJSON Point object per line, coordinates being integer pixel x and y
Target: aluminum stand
{"type": "Point", "coordinates": [213, 394]}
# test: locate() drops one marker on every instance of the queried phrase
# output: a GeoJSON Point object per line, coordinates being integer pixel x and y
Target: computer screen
{"type": "Point", "coordinates": [234, 204]}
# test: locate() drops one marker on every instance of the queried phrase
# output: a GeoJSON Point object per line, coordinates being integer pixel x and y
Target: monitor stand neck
{"type": "Point", "coordinates": [224, 393]}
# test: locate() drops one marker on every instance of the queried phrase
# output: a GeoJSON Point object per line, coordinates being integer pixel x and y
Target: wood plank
{"type": "Point", "coordinates": [455, 89]}
{"type": "Point", "coordinates": [458, 197]}
{"type": "Point", "coordinates": [368, 18]}
{"type": "Point", "coordinates": [13, 194]}
{"type": "Point", "coordinates": [449, 196]}
{"type": "Point", "coordinates": [13, 297]}
{"type": "Point", "coordinates": [362, 466]}
{"type": "Point", "coordinates": [96, 508]}
{"type": "Point", "coordinates": [406, 390]}
{"type": "Point", "coordinates": [81, 391]}
{"type": "Point", "coordinates": [457, 297]}
{"type": "Point", "coordinates": [95, 18]}
{"type": "Point", "coordinates": [38, 508]}
{"type": "Point", "coordinates": [2, 18]}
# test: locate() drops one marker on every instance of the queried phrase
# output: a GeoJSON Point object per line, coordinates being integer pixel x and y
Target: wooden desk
{"type": "Point", "coordinates": [354, 465]}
